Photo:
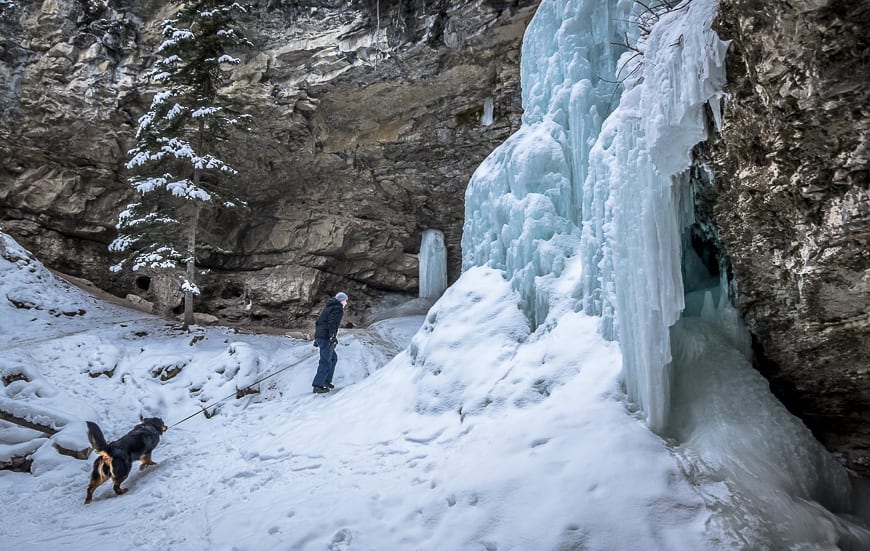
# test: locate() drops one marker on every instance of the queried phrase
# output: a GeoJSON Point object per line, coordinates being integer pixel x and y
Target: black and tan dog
{"type": "Point", "coordinates": [116, 458]}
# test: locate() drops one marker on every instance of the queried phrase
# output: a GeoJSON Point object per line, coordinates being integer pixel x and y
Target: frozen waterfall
{"type": "Point", "coordinates": [602, 171]}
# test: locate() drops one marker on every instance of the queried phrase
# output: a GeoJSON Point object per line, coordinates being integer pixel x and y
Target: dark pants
{"type": "Point", "coordinates": [326, 367]}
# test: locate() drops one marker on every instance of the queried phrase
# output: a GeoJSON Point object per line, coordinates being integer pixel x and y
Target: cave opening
{"type": "Point", "coordinates": [711, 310]}
{"type": "Point", "coordinates": [143, 282]}
{"type": "Point", "coordinates": [232, 291]}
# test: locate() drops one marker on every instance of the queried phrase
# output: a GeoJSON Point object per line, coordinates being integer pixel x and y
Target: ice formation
{"type": "Point", "coordinates": [433, 264]}
{"type": "Point", "coordinates": [602, 169]}
{"type": "Point", "coordinates": [486, 116]}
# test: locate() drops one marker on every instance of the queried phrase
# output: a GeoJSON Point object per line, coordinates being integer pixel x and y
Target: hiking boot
{"type": "Point", "coordinates": [320, 389]}
{"type": "Point", "coordinates": [330, 386]}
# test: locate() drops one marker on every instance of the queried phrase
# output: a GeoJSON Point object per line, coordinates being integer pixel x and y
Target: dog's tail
{"type": "Point", "coordinates": [96, 438]}
{"type": "Point", "coordinates": [98, 442]}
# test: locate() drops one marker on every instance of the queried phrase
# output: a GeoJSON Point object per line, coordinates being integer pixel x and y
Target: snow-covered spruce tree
{"type": "Point", "coordinates": [174, 165]}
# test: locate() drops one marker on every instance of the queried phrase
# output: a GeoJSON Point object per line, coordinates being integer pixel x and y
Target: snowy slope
{"type": "Point", "coordinates": [456, 443]}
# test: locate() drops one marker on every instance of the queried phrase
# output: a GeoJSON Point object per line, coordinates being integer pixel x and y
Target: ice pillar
{"type": "Point", "coordinates": [433, 264]}
{"type": "Point", "coordinates": [486, 117]}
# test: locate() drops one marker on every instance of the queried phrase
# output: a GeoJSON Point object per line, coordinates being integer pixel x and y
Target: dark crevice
{"type": "Point", "coordinates": [143, 283]}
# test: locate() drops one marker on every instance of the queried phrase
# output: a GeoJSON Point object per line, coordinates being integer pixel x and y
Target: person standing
{"type": "Point", "coordinates": [326, 338]}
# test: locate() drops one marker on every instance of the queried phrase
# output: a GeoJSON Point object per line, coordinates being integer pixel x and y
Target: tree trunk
{"type": "Point", "coordinates": [191, 258]}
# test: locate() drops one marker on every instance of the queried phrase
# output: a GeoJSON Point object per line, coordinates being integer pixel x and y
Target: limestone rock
{"type": "Point", "coordinates": [204, 319]}
{"type": "Point", "coordinates": [141, 303]}
{"type": "Point", "coordinates": [368, 127]}
{"type": "Point", "coordinates": [793, 205]}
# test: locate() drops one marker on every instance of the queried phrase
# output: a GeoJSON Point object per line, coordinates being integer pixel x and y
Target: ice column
{"type": "Point", "coordinates": [433, 264]}
{"type": "Point", "coordinates": [523, 204]}
{"type": "Point", "coordinates": [636, 182]}
{"type": "Point", "coordinates": [486, 117]}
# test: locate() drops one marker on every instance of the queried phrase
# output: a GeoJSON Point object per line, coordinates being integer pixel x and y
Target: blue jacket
{"type": "Point", "coordinates": [326, 326]}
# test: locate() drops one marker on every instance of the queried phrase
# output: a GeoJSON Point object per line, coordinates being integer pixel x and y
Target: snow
{"type": "Point", "coordinates": [158, 259]}
{"type": "Point", "coordinates": [229, 59]}
{"type": "Point", "coordinates": [175, 111]}
{"type": "Point", "coordinates": [144, 185]}
{"type": "Point", "coordinates": [162, 95]}
{"type": "Point", "coordinates": [186, 189]}
{"type": "Point", "coordinates": [180, 149]}
{"type": "Point", "coordinates": [204, 111]}
{"type": "Point", "coordinates": [463, 440]}
{"type": "Point", "coordinates": [145, 122]}
{"type": "Point", "coordinates": [514, 414]}
{"type": "Point", "coordinates": [189, 287]}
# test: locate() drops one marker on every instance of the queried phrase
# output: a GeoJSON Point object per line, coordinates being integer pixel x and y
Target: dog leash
{"type": "Point", "coordinates": [241, 392]}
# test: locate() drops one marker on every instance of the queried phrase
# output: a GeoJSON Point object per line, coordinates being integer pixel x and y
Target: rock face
{"type": "Point", "coordinates": [793, 206]}
{"type": "Point", "coordinates": [369, 122]}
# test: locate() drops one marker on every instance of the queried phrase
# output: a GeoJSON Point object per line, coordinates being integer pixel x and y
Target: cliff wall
{"type": "Point", "coordinates": [369, 123]}
{"type": "Point", "coordinates": [792, 205]}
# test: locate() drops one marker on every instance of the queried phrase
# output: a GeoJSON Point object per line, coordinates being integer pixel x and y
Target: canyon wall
{"type": "Point", "coordinates": [792, 205]}
{"type": "Point", "coordinates": [369, 120]}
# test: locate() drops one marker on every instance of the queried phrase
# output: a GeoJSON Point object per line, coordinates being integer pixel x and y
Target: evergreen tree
{"type": "Point", "coordinates": [175, 167]}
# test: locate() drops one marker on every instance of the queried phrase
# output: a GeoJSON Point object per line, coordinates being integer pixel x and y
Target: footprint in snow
{"type": "Point", "coordinates": [341, 540]}
{"type": "Point", "coordinates": [305, 468]}
{"type": "Point", "coordinates": [424, 439]}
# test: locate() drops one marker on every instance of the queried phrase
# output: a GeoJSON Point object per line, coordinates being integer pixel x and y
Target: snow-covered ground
{"type": "Point", "coordinates": [456, 443]}
{"type": "Point", "coordinates": [463, 440]}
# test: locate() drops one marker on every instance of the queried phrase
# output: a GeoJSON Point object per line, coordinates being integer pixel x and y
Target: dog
{"type": "Point", "coordinates": [115, 459]}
